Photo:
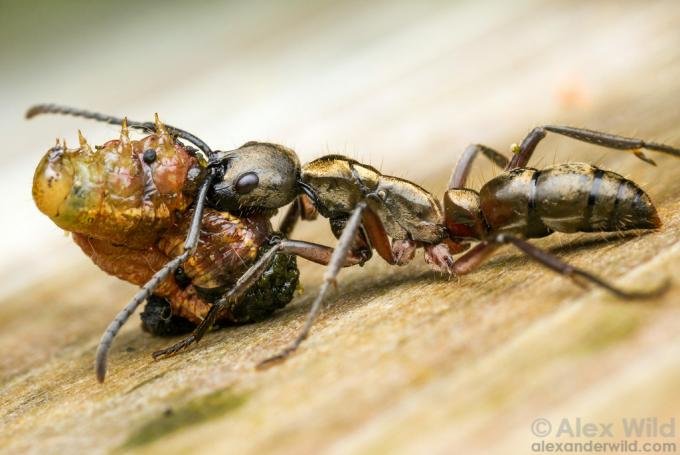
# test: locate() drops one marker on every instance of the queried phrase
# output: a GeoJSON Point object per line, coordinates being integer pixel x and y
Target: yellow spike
{"type": "Point", "coordinates": [640, 154]}
{"type": "Point", "coordinates": [65, 146]}
{"type": "Point", "coordinates": [84, 146]}
{"type": "Point", "coordinates": [83, 143]}
{"type": "Point", "coordinates": [160, 129]}
{"type": "Point", "coordinates": [124, 136]}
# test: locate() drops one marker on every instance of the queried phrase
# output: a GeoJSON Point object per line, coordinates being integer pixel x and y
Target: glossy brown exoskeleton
{"type": "Point", "coordinates": [227, 198]}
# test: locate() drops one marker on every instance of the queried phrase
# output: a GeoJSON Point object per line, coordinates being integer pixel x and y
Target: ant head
{"type": "Point", "coordinates": [463, 215]}
{"type": "Point", "coordinates": [257, 176]}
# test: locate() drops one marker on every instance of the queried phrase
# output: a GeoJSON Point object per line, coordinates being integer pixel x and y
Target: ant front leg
{"type": "Point", "coordinates": [314, 252]}
{"type": "Point", "coordinates": [612, 141]}
{"type": "Point", "coordinates": [336, 262]}
{"type": "Point", "coordinates": [244, 282]}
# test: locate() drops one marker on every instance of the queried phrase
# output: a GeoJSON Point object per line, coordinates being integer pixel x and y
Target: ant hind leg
{"type": "Point", "coordinates": [557, 265]}
{"type": "Point", "coordinates": [612, 141]}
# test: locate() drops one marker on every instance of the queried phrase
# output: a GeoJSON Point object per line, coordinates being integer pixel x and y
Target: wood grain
{"type": "Point", "coordinates": [403, 360]}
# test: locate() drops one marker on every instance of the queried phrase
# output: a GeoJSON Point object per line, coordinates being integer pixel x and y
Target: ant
{"type": "Point", "coordinates": [171, 191]}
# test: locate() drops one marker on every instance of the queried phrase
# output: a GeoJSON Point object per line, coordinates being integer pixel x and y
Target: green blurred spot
{"type": "Point", "coordinates": [614, 329]}
{"type": "Point", "coordinates": [196, 411]}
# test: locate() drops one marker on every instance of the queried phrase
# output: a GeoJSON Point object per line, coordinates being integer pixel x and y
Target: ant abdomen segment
{"type": "Point", "coordinates": [572, 197]}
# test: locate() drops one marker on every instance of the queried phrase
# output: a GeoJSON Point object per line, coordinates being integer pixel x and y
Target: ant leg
{"type": "Point", "coordinates": [301, 208]}
{"type": "Point", "coordinates": [555, 264]}
{"type": "Point", "coordinates": [291, 218]}
{"type": "Point", "coordinates": [379, 240]}
{"type": "Point", "coordinates": [147, 290]}
{"type": "Point", "coordinates": [399, 251]}
{"type": "Point", "coordinates": [473, 258]}
{"type": "Point", "coordinates": [314, 252]}
{"type": "Point", "coordinates": [321, 254]}
{"type": "Point", "coordinates": [526, 148]}
{"type": "Point", "coordinates": [39, 109]}
{"type": "Point", "coordinates": [242, 284]}
{"type": "Point", "coordinates": [612, 141]}
{"type": "Point", "coordinates": [337, 259]}
{"type": "Point", "coordinates": [462, 170]}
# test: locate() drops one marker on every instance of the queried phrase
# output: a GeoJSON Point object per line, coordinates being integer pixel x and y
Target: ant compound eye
{"type": "Point", "coordinates": [246, 183]}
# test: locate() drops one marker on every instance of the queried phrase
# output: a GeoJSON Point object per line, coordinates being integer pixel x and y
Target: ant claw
{"type": "Point", "coordinates": [174, 349]}
{"type": "Point", "coordinates": [275, 359]}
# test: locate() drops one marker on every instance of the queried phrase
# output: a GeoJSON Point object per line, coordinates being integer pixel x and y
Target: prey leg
{"type": "Point", "coordinates": [528, 145]}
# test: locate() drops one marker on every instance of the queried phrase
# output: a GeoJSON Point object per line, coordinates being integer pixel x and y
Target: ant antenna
{"type": "Point", "coordinates": [40, 109]}
{"type": "Point", "coordinates": [121, 318]}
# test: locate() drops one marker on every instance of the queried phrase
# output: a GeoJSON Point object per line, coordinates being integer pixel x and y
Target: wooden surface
{"type": "Point", "coordinates": [403, 360]}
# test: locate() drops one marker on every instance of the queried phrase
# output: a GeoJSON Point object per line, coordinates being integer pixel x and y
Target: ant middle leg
{"type": "Point", "coordinates": [394, 252]}
{"type": "Point", "coordinates": [612, 141]}
{"type": "Point", "coordinates": [402, 251]}
{"type": "Point", "coordinates": [462, 170]}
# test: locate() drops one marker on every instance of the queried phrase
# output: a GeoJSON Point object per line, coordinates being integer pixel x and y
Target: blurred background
{"type": "Point", "coordinates": [401, 85]}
